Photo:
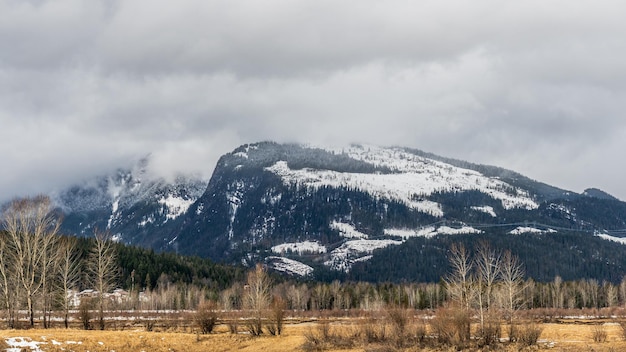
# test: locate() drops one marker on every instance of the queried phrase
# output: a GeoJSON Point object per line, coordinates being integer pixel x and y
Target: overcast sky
{"type": "Point", "coordinates": [534, 86]}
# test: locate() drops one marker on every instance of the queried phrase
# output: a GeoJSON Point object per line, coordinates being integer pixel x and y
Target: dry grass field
{"type": "Point", "coordinates": [567, 335]}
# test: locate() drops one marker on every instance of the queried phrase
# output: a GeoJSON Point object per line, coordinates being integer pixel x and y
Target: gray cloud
{"type": "Point", "coordinates": [535, 86]}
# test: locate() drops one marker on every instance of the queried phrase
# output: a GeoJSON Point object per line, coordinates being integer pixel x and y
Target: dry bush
{"type": "Point", "coordinates": [149, 325]}
{"type": "Point", "coordinates": [373, 330]}
{"type": "Point", "coordinates": [599, 333]}
{"type": "Point", "coordinates": [231, 319]}
{"type": "Point", "coordinates": [401, 334]}
{"type": "Point", "coordinates": [513, 332]}
{"type": "Point", "coordinates": [529, 334]}
{"type": "Point", "coordinates": [276, 316]}
{"type": "Point", "coordinates": [206, 316]}
{"type": "Point", "coordinates": [255, 326]}
{"type": "Point", "coordinates": [84, 312]}
{"type": "Point", "coordinates": [491, 333]}
{"type": "Point", "coordinates": [451, 326]}
{"type": "Point", "coordinates": [420, 332]}
{"type": "Point", "coordinates": [233, 326]}
{"type": "Point", "coordinates": [324, 338]}
{"type": "Point", "coordinates": [398, 318]}
{"type": "Point", "coordinates": [319, 340]}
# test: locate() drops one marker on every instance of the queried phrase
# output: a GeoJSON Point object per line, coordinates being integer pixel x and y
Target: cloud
{"type": "Point", "coordinates": [538, 87]}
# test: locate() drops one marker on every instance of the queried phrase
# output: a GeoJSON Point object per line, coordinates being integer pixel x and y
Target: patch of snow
{"type": "Point", "coordinates": [402, 233]}
{"type": "Point", "coordinates": [526, 229]}
{"type": "Point", "coordinates": [241, 155]}
{"type": "Point", "coordinates": [270, 198]}
{"type": "Point", "coordinates": [114, 207]}
{"type": "Point", "coordinates": [290, 266]}
{"type": "Point", "coordinates": [176, 206]}
{"type": "Point", "coordinates": [146, 220]}
{"type": "Point", "coordinates": [17, 344]}
{"type": "Point", "coordinates": [431, 231]}
{"type": "Point", "coordinates": [172, 241]}
{"type": "Point", "coordinates": [343, 257]}
{"type": "Point", "coordinates": [234, 197]}
{"type": "Point", "coordinates": [486, 209]}
{"type": "Point", "coordinates": [347, 230]}
{"type": "Point", "coordinates": [115, 190]}
{"type": "Point", "coordinates": [117, 237]}
{"type": "Point", "coordinates": [299, 247]}
{"type": "Point", "coordinates": [412, 178]}
{"type": "Point", "coordinates": [464, 230]}
{"type": "Point", "coordinates": [619, 240]}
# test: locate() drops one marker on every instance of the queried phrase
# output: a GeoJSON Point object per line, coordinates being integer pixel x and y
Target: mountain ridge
{"type": "Point", "coordinates": [329, 213]}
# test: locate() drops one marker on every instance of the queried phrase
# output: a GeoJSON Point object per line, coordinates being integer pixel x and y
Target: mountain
{"type": "Point", "coordinates": [135, 207]}
{"type": "Point", "coordinates": [356, 213]}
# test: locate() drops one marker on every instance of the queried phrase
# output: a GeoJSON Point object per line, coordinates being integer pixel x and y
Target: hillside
{"type": "Point", "coordinates": [359, 213]}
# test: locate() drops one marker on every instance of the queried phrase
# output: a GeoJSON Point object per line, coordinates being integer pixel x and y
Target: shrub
{"type": "Point", "coordinates": [324, 338]}
{"type": "Point", "coordinates": [276, 316]}
{"type": "Point", "coordinates": [528, 335]}
{"type": "Point", "coordinates": [398, 318]}
{"type": "Point", "coordinates": [491, 332]}
{"type": "Point", "coordinates": [255, 326]}
{"type": "Point", "coordinates": [149, 325]}
{"type": "Point", "coordinates": [451, 326]}
{"type": "Point", "coordinates": [206, 317]}
{"type": "Point", "coordinates": [84, 312]}
{"type": "Point", "coordinates": [420, 332]}
{"type": "Point", "coordinates": [233, 327]}
{"type": "Point", "coordinates": [374, 330]}
{"type": "Point", "coordinates": [599, 333]}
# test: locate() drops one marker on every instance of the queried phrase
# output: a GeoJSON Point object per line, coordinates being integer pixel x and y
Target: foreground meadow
{"type": "Point", "coordinates": [564, 335]}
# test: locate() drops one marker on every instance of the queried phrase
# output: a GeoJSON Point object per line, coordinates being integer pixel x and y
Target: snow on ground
{"type": "Point", "coordinates": [612, 238]}
{"type": "Point", "coordinates": [346, 230]}
{"type": "Point", "coordinates": [17, 344]}
{"type": "Point", "coordinates": [525, 229]}
{"type": "Point", "coordinates": [176, 206]}
{"type": "Point", "coordinates": [431, 231]}
{"type": "Point", "coordinates": [342, 257]}
{"type": "Point", "coordinates": [299, 247]}
{"type": "Point", "coordinates": [485, 209]}
{"type": "Point", "coordinates": [290, 266]}
{"type": "Point", "coordinates": [413, 178]}
{"type": "Point", "coordinates": [464, 230]}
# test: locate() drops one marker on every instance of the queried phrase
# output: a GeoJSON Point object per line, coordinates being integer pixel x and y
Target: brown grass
{"type": "Point", "coordinates": [574, 335]}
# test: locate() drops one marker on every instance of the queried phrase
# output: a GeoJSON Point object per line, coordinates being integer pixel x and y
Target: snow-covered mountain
{"type": "Point", "coordinates": [135, 207]}
{"type": "Point", "coordinates": [336, 213]}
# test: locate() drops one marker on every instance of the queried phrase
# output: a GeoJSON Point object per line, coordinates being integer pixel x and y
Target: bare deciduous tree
{"type": "Point", "coordinates": [31, 229]}
{"type": "Point", "coordinates": [459, 282]}
{"type": "Point", "coordinates": [513, 287]}
{"type": "Point", "coordinates": [257, 297]}
{"type": "Point", "coordinates": [68, 274]}
{"type": "Point", "coordinates": [487, 270]}
{"type": "Point", "coordinates": [103, 270]}
{"type": "Point", "coordinates": [7, 283]}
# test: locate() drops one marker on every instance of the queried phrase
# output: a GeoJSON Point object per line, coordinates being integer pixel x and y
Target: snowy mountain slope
{"type": "Point", "coordinates": [332, 213]}
{"type": "Point", "coordinates": [130, 204]}
{"type": "Point", "coordinates": [412, 177]}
